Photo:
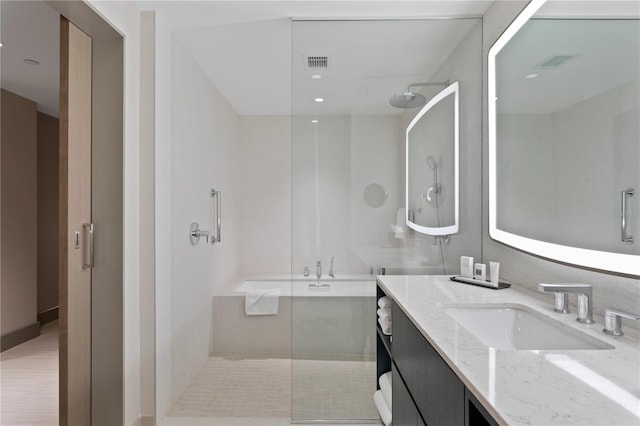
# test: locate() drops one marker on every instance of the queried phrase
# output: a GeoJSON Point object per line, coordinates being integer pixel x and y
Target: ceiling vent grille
{"type": "Point", "coordinates": [316, 62]}
{"type": "Point", "coordinates": [554, 62]}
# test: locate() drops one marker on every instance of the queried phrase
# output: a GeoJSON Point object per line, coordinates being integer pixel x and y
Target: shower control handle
{"type": "Point", "coordinates": [195, 233]}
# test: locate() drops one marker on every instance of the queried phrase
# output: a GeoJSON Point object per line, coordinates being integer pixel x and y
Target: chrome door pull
{"type": "Point", "coordinates": [627, 239]}
{"type": "Point", "coordinates": [88, 260]}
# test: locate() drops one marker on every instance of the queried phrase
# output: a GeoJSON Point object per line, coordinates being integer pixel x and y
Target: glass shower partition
{"type": "Point", "coordinates": [348, 215]}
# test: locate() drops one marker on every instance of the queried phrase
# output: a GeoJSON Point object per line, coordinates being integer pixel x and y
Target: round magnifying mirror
{"type": "Point", "coordinates": [375, 195]}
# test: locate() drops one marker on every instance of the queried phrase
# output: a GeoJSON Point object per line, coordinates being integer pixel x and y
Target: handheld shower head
{"type": "Point", "coordinates": [432, 163]}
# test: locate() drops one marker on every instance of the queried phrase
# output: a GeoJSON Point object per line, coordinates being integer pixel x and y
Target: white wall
{"type": "Point", "coordinates": [353, 151]}
{"type": "Point", "coordinates": [526, 174]}
{"type": "Point", "coordinates": [599, 138]}
{"type": "Point", "coordinates": [376, 155]}
{"type": "Point", "coordinates": [333, 161]}
{"type": "Point", "coordinates": [147, 214]}
{"type": "Point", "coordinates": [526, 270]}
{"type": "Point", "coordinates": [203, 156]}
{"type": "Point", "coordinates": [463, 65]}
{"type": "Point", "coordinates": [163, 215]}
{"type": "Point", "coordinates": [264, 195]}
{"type": "Point", "coordinates": [547, 167]}
{"type": "Point", "coordinates": [321, 190]}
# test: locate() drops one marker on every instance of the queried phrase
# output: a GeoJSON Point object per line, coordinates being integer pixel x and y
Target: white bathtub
{"type": "Point", "coordinates": [333, 318]}
{"type": "Point", "coordinates": [348, 286]}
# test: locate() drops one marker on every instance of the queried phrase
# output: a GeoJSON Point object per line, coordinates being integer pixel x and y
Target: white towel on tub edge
{"type": "Point", "coordinates": [262, 302]}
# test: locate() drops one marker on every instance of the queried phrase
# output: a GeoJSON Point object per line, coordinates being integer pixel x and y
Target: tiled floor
{"type": "Point", "coordinates": [333, 389]}
{"type": "Point", "coordinates": [239, 390]}
{"type": "Point", "coordinates": [233, 386]}
{"type": "Point", "coordinates": [29, 381]}
{"type": "Point", "coordinates": [228, 391]}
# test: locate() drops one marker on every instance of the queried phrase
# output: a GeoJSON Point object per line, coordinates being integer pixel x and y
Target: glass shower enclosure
{"type": "Point", "coordinates": [348, 192]}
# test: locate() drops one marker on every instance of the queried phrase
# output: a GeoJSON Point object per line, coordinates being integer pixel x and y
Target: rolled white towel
{"type": "Point", "coordinates": [385, 319]}
{"type": "Point", "coordinates": [382, 312]}
{"type": "Point", "coordinates": [385, 388]}
{"type": "Point", "coordinates": [384, 302]}
{"type": "Point", "coordinates": [386, 329]}
{"type": "Point", "coordinates": [383, 408]}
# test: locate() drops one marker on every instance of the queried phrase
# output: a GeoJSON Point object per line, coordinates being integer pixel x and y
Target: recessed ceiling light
{"type": "Point", "coordinates": [31, 62]}
{"type": "Point", "coordinates": [531, 76]}
{"type": "Point", "coordinates": [1, 44]}
{"type": "Point", "coordinates": [316, 77]}
{"type": "Point", "coordinates": [319, 99]}
{"type": "Point", "coordinates": [314, 121]}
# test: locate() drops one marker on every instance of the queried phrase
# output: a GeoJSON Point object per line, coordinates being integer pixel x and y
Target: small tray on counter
{"type": "Point", "coordinates": [480, 283]}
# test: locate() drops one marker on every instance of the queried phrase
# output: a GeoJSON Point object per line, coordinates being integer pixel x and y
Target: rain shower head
{"type": "Point", "coordinates": [409, 99]}
{"type": "Point", "coordinates": [432, 163]}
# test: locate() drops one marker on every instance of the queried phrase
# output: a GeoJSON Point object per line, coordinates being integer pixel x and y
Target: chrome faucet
{"type": "Point", "coordinates": [585, 299]}
{"type": "Point", "coordinates": [331, 274]}
{"type": "Point", "coordinates": [613, 321]}
{"type": "Point", "coordinates": [318, 269]}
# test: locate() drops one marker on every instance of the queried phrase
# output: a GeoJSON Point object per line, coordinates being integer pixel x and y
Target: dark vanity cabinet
{"type": "Point", "coordinates": [425, 390]}
{"type": "Point", "coordinates": [405, 413]}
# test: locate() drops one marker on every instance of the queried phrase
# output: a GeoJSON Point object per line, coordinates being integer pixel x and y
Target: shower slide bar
{"type": "Point", "coordinates": [628, 239]}
{"type": "Point", "coordinates": [194, 230]}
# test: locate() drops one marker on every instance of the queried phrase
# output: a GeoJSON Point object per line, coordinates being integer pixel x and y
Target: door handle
{"type": "Point", "coordinates": [88, 260]}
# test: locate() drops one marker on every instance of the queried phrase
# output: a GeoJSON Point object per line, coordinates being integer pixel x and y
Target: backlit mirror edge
{"type": "Point", "coordinates": [606, 261]}
{"type": "Point", "coordinates": [452, 88]}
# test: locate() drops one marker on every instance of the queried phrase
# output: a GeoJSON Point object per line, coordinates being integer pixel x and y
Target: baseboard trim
{"type": "Point", "coordinates": [14, 338]}
{"type": "Point", "coordinates": [144, 421]}
{"type": "Point", "coordinates": [49, 315]}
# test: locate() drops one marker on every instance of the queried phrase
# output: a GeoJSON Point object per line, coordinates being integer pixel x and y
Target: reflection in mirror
{"type": "Point", "coordinates": [375, 195]}
{"type": "Point", "coordinates": [432, 166]}
{"type": "Point", "coordinates": [564, 140]}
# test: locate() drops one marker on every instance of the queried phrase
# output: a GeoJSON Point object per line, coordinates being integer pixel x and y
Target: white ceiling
{"type": "Point", "coordinates": [251, 51]}
{"type": "Point", "coordinates": [30, 30]}
{"type": "Point", "coordinates": [608, 56]}
{"type": "Point", "coordinates": [370, 61]}
{"type": "Point", "coordinates": [245, 46]}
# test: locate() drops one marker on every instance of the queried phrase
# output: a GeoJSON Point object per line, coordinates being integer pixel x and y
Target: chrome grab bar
{"type": "Point", "coordinates": [218, 197]}
{"type": "Point", "coordinates": [627, 239]}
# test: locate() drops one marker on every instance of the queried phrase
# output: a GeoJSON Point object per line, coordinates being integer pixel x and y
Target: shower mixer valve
{"type": "Point", "coordinates": [195, 233]}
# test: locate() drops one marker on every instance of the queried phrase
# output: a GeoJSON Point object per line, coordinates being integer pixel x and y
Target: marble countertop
{"type": "Point", "coordinates": [526, 387]}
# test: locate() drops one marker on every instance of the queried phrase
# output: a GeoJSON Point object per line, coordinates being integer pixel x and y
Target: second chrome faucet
{"type": "Point", "coordinates": [319, 269]}
{"type": "Point", "coordinates": [585, 299]}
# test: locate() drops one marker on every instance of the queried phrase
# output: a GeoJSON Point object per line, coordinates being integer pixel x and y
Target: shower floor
{"type": "Point", "coordinates": [236, 389]}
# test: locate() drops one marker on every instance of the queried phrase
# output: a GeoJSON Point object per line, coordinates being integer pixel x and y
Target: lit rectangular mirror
{"type": "Point", "coordinates": [432, 144]}
{"type": "Point", "coordinates": [564, 137]}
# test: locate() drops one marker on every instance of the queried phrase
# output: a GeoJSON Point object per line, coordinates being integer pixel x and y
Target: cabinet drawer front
{"type": "Point", "coordinates": [404, 412]}
{"type": "Point", "coordinates": [437, 391]}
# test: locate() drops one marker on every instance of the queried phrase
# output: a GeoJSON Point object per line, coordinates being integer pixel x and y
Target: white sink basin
{"type": "Point", "coordinates": [517, 327]}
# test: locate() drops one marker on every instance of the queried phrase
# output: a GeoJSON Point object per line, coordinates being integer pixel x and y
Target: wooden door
{"type": "Point", "coordinates": [75, 218]}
